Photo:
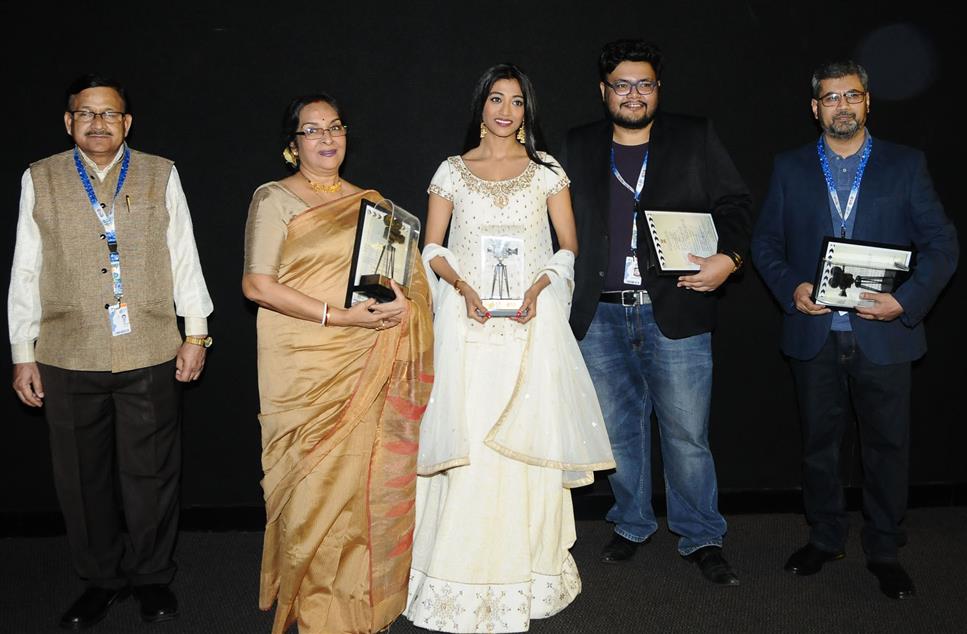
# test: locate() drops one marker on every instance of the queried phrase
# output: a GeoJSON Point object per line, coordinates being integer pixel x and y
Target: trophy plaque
{"type": "Point", "coordinates": [387, 237]}
{"type": "Point", "coordinates": [675, 234]}
{"type": "Point", "coordinates": [848, 268]}
{"type": "Point", "coordinates": [502, 274]}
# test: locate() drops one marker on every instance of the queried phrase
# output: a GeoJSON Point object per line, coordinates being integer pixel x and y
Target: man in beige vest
{"type": "Point", "coordinates": [105, 256]}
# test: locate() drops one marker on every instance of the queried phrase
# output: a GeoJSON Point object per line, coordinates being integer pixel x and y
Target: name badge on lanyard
{"type": "Point", "coordinates": [120, 323]}
{"type": "Point", "coordinates": [854, 189]}
{"type": "Point", "coordinates": [118, 311]}
{"type": "Point", "coordinates": [632, 275]}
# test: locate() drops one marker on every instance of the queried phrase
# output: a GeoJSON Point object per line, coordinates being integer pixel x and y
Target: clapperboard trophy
{"type": "Point", "coordinates": [502, 274]}
{"type": "Point", "coordinates": [675, 234]}
{"type": "Point", "coordinates": [387, 237]}
{"type": "Point", "coordinates": [848, 268]}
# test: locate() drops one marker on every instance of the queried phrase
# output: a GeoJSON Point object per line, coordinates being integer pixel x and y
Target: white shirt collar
{"type": "Point", "coordinates": [99, 172]}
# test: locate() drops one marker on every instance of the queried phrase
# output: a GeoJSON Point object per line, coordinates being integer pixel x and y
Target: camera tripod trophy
{"type": "Point", "coordinates": [385, 249]}
{"type": "Point", "coordinates": [503, 257]}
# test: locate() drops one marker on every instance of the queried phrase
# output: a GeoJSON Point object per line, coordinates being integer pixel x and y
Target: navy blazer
{"type": "Point", "coordinates": [688, 170]}
{"type": "Point", "coordinates": [897, 205]}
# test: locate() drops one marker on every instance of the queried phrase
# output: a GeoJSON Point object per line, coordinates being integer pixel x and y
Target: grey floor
{"type": "Point", "coordinates": [217, 585]}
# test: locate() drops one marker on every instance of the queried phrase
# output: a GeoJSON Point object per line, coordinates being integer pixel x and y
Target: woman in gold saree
{"type": "Point", "coordinates": [341, 395]}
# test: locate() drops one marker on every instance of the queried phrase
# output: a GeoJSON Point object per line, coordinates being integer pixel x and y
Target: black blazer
{"type": "Point", "coordinates": [897, 205]}
{"type": "Point", "coordinates": [688, 170]}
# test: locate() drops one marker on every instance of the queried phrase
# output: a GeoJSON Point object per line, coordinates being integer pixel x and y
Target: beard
{"type": "Point", "coordinates": [618, 118]}
{"type": "Point", "coordinates": [844, 127]}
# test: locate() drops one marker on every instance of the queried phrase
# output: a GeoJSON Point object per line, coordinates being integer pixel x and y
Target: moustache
{"type": "Point", "coordinates": [98, 133]}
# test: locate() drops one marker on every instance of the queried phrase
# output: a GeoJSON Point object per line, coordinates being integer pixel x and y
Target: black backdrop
{"type": "Point", "coordinates": [209, 82]}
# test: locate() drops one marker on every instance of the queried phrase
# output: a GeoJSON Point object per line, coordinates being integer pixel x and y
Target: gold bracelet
{"type": "Point", "coordinates": [325, 314]}
{"type": "Point", "coordinates": [456, 285]}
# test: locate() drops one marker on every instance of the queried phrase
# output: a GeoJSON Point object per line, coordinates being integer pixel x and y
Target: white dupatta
{"type": "Point", "coordinates": [553, 418]}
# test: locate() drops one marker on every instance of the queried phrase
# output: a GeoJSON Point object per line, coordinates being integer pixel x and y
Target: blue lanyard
{"type": "Point", "coordinates": [636, 192]}
{"type": "Point", "coordinates": [107, 218]}
{"type": "Point", "coordinates": [854, 190]}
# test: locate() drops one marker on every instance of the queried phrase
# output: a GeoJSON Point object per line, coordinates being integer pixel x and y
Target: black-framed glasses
{"type": "Point", "coordinates": [643, 87]}
{"type": "Point", "coordinates": [831, 99]}
{"type": "Point", "coordinates": [87, 116]}
{"type": "Point", "coordinates": [313, 133]}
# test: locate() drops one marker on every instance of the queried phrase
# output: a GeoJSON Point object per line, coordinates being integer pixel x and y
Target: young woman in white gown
{"type": "Point", "coordinates": [513, 421]}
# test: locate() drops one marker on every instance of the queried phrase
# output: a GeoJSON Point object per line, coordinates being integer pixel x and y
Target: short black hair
{"type": "Point", "coordinates": [837, 69]}
{"type": "Point", "coordinates": [290, 121]}
{"type": "Point", "coordinates": [93, 80]}
{"type": "Point", "coordinates": [613, 53]}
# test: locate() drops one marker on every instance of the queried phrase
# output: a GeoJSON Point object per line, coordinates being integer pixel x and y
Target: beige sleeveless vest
{"type": "Point", "coordinates": [75, 279]}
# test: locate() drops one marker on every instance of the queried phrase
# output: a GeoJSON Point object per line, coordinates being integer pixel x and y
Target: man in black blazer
{"type": "Point", "coordinates": [646, 338]}
{"type": "Point", "coordinates": [848, 184]}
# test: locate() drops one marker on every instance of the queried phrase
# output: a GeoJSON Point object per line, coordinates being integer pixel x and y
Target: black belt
{"type": "Point", "coordinates": [625, 298]}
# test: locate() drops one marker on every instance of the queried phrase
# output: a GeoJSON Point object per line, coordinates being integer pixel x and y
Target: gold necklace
{"type": "Point", "coordinates": [321, 188]}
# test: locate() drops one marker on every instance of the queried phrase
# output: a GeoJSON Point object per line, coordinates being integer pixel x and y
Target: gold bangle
{"type": "Point", "coordinates": [456, 285]}
{"type": "Point", "coordinates": [325, 314]}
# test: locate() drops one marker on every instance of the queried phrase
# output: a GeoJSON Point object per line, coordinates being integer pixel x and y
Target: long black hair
{"type": "Point", "coordinates": [533, 138]}
{"type": "Point", "coordinates": [290, 121]}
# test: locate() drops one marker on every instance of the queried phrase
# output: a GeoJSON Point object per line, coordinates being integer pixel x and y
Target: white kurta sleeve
{"type": "Point", "coordinates": [23, 299]}
{"type": "Point", "coordinates": [192, 300]}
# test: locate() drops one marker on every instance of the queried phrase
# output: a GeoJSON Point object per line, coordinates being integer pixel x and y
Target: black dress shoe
{"type": "Point", "coordinates": [710, 561]}
{"type": "Point", "coordinates": [894, 580]}
{"type": "Point", "coordinates": [620, 549]}
{"type": "Point", "coordinates": [158, 602]}
{"type": "Point", "coordinates": [91, 607]}
{"type": "Point", "coordinates": [809, 560]}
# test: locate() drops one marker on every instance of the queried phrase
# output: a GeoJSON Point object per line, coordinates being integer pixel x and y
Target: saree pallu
{"type": "Point", "coordinates": [340, 414]}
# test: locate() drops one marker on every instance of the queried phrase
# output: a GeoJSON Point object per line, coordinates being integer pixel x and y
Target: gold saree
{"type": "Point", "coordinates": [340, 415]}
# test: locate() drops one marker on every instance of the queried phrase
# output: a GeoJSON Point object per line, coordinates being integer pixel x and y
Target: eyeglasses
{"type": "Point", "coordinates": [87, 116]}
{"type": "Point", "coordinates": [831, 99]}
{"type": "Point", "coordinates": [314, 134]}
{"type": "Point", "coordinates": [643, 87]}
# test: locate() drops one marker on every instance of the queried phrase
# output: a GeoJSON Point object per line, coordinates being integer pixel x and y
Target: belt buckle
{"type": "Point", "coordinates": [632, 294]}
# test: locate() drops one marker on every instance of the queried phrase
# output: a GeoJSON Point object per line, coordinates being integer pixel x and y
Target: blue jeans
{"type": "Point", "coordinates": [635, 369]}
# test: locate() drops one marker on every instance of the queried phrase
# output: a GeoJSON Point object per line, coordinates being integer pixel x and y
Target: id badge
{"type": "Point", "coordinates": [632, 276]}
{"type": "Point", "coordinates": [115, 260]}
{"type": "Point", "coordinates": [120, 325]}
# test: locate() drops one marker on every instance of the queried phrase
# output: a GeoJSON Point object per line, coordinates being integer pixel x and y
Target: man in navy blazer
{"type": "Point", "coordinates": [850, 184]}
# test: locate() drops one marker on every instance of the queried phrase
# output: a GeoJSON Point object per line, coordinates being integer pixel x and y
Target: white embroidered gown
{"type": "Point", "coordinates": [491, 544]}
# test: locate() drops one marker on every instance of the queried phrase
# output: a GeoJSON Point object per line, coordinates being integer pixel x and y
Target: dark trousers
{"type": "Point", "coordinates": [115, 441]}
{"type": "Point", "coordinates": [826, 386]}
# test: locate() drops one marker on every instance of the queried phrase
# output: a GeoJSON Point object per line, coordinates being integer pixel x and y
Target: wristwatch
{"type": "Point", "coordinates": [204, 342]}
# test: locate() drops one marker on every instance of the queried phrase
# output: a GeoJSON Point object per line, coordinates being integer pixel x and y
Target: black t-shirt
{"type": "Point", "coordinates": [627, 158]}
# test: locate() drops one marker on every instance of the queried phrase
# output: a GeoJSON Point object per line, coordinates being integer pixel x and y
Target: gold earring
{"type": "Point", "coordinates": [290, 157]}
{"type": "Point", "coordinates": [521, 135]}
{"type": "Point", "coordinates": [483, 130]}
